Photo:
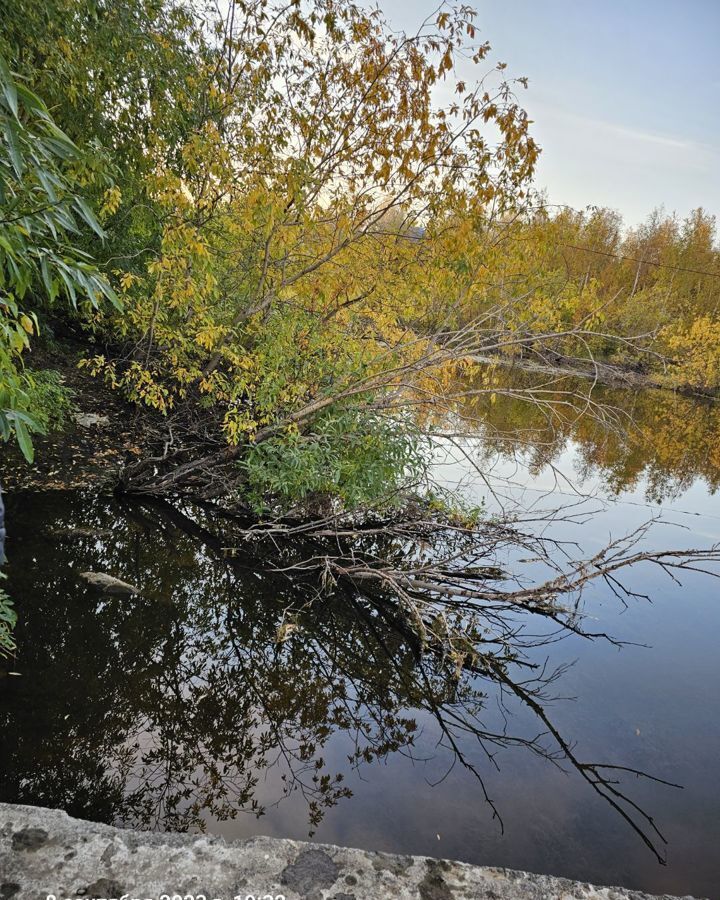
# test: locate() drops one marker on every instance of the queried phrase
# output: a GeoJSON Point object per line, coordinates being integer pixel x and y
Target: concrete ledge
{"type": "Point", "coordinates": [45, 852]}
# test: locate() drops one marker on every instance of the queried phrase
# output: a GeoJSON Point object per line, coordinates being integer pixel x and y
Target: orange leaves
{"type": "Point", "coordinates": [446, 63]}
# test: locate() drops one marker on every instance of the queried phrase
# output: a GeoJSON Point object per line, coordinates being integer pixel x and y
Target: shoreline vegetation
{"type": "Point", "coordinates": [100, 432]}
{"type": "Point", "coordinates": [598, 371]}
{"type": "Point", "coordinates": [283, 257]}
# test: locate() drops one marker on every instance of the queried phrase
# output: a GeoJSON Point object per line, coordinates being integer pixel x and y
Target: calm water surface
{"type": "Point", "coordinates": [179, 709]}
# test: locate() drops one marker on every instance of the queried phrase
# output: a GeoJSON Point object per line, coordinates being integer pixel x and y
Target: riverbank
{"type": "Point", "coordinates": [605, 373]}
{"type": "Point", "coordinates": [45, 852]}
{"type": "Point", "coordinates": [102, 433]}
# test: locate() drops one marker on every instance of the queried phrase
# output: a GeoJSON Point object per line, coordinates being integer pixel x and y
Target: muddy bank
{"type": "Point", "coordinates": [102, 434]}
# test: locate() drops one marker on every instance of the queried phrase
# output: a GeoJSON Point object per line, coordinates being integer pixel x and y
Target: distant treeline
{"type": "Point", "coordinates": [647, 296]}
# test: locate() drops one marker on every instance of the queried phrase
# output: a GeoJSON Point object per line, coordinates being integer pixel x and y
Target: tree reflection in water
{"type": "Point", "coordinates": [169, 707]}
{"type": "Point", "coordinates": [629, 438]}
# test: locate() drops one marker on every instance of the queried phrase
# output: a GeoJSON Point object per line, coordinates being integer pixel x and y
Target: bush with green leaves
{"type": "Point", "coordinates": [359, 458]}
{"type": "Point", "coordinates": [51, 400]}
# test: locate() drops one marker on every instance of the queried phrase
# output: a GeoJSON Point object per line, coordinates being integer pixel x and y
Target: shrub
{"type": "Point", "coordinates": [358, 457]}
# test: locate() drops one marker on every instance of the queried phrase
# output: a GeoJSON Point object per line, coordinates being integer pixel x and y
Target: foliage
{"type": "Point", "coordinates": [696, 351]}
{"type": "Point", "coordinates": [310, 249]}
{"type": "Point", "coordinates": [592, 287]}
{"type": "Point", "coordinates": [301, 214]}
{"type": "Point", "coordinates": [41, 212]}
{"type": "Point", "coordinates": [124, 74]}
{"type": "Point", "coordinates": [362, 460]}
{"type": "Point", "coordinates": [8, 618]}
{"type": "Point", "coordinates": [280, 262]}
{"type": "Point", "coordinates": [303, 235]}
{"type": "Point", "coordinates": [51, 399]}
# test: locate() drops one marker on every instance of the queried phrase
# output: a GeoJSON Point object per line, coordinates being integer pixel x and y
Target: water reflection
{"type": "Point", "coordinates": [168, 707]}
{"type": "Point", "coordinates": [224, 691]}
{"type": "Point", "coordinates": [654, 439]}
{"type": "Point", "coordinates": [185, 696]}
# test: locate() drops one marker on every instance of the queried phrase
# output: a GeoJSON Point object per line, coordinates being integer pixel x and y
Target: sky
{"type": "Point", "coordinates": [625, 96]}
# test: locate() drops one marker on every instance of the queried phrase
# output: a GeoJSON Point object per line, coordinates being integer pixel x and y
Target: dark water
{"type": "Point", "coordinates": [179, 708]}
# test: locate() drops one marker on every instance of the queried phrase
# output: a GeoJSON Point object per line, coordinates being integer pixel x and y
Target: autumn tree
{"type": "Point", "coordinates": [316, 227]}
{"type": "Point", "coordinates": [310, 245]}
{"type": "Point", "coordinates": [320, 220]}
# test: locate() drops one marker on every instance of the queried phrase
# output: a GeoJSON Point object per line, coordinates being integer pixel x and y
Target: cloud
{"type": "Point", "coordinates": [648, 137]}
{"type": "Point", "coordinates": [590, 160]}
{"type": "Point", "coordinates": [637, 135]}
{"type": "Point", "coordinates": [624, 143]}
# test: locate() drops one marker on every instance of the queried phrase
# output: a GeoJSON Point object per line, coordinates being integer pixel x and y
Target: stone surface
{"type": "Point", "coordinates": [45, 852]}
{"type": "Point", "coordinates": [91, 420]}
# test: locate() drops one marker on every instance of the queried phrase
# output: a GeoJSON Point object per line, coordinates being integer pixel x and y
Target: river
{"type": "Point", "coordinates": [179, 707]}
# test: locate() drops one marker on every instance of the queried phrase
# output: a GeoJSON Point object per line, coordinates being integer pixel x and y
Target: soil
{"type": "Point", "coordinates": [101, 436]}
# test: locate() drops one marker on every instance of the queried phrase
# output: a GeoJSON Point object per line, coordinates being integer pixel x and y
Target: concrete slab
{"type": "Point", "coordinates": [45, 853]}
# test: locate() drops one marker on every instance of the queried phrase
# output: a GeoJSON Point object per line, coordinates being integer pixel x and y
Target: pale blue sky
{"type": "Point", "coordinates": [625, 95]}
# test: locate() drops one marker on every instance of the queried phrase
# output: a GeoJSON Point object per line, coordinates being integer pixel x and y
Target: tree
{"type": "Point", "coordinates": [124, 74]}
{"type": "Point", "coordinates": [320, 221]}
{"type": "Point", "coordinates": [41, 212]}
{"type": "Point", "coordinates": [311, 249]}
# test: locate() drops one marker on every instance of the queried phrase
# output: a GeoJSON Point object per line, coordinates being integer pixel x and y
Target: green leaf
{"type": "Point", "coordinates": [24, 440]}
{"type": "Point", "coordinates": [13, 142]}
{"type": "Point", "coordinates": [47, 280]}
{"type": "Point", "coordinates": [69, 285]}
{"type": "Point", "coordinates": [7, 83]}
{"type": "Point", "coordinates": [89, 216]}
{"type": "Point", "coordinates": [31, 100]}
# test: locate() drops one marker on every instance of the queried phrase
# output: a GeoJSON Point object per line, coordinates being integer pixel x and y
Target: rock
{"type": "Point", "coordinates": [108, 584]}
{"type": "Point", "coordinates": [91, 420]}
{"type": "Point", "coordinates": [9, 890]}
{"type": "Point", "coordinates": [29, 839]}
{"type": "Point", "coordinates": [44, 851]}
{"type": "Point", "coordinates": [310, 872]}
